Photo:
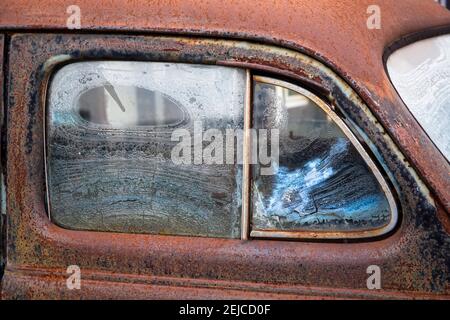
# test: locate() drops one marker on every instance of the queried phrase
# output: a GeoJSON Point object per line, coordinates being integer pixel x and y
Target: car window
{"type": "Point", "coordinates": [112, 129]}
{"type": "Point", "coordinates": [421, 74]}
{"type": "Point", "coordinates": [161, 148]}
{"type": "Point", "coordinates": [321, 183]}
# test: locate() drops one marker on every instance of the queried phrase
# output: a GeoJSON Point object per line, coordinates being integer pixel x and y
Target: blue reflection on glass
{"type": "Point", "coordinates": [322, 182]}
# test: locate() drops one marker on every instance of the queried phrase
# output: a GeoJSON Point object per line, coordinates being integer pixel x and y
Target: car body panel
{"type": "Point", "coordinates": [412, 256]}
{"type": "Point", "coordinates": [283, 39]}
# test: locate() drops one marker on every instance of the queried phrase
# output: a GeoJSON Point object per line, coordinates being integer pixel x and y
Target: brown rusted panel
{"type": "Point", "coordinates": [335, 33]}
{"type": "Point", "coordinates": [2, 218]}
{"type": "Point", "coordinates": [51, 284]}
{"type": "Point", "coordinates": [413, 259]}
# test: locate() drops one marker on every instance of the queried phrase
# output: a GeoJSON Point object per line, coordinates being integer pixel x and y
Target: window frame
{"type": "Point", "coordinates": [37, 248]}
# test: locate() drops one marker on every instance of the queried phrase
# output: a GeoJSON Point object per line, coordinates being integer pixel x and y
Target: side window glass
{"type": "Point", "coordinates": [421, 74]}
{"type": "Point", "coordinates": [322, 183]}
{"type": "Point", "coordinates": [122, 148]}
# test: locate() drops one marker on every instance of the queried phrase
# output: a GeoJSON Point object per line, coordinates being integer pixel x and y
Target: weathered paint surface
{"type": "Point", "coordinates": [2, 217]}
{"type": "Point", "coordinates": [336, 34]}
{"type": "Point", "coordinates": [413, 258]}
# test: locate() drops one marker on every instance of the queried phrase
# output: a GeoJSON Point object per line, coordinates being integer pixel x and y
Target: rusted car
{"type": "Point", "coordinates": [349, 199]}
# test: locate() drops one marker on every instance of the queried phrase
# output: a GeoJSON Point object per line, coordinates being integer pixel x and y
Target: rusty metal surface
{"type": "Point", "coordinates": [2, 217]}
{"type": "Point", "coordinates": [118, 286]}
{"type": "Point", "coordinates": [335, 33]}
{"type": "Point", "coordinates": [413, 258]}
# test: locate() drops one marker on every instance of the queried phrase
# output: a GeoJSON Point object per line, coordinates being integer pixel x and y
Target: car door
{"type": "Point", "coordinates": [94, 191]}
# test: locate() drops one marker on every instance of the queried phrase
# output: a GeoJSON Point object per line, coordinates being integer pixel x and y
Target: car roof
{"type": "Point", "coordinates": [336, 31]}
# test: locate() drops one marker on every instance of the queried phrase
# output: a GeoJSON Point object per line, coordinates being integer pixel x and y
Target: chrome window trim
{"type": "Point", "coordinates": [246, 172]}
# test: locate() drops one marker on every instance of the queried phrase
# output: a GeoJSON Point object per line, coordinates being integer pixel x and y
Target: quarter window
{"type": "Point", "coordinates": [322, 183]}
